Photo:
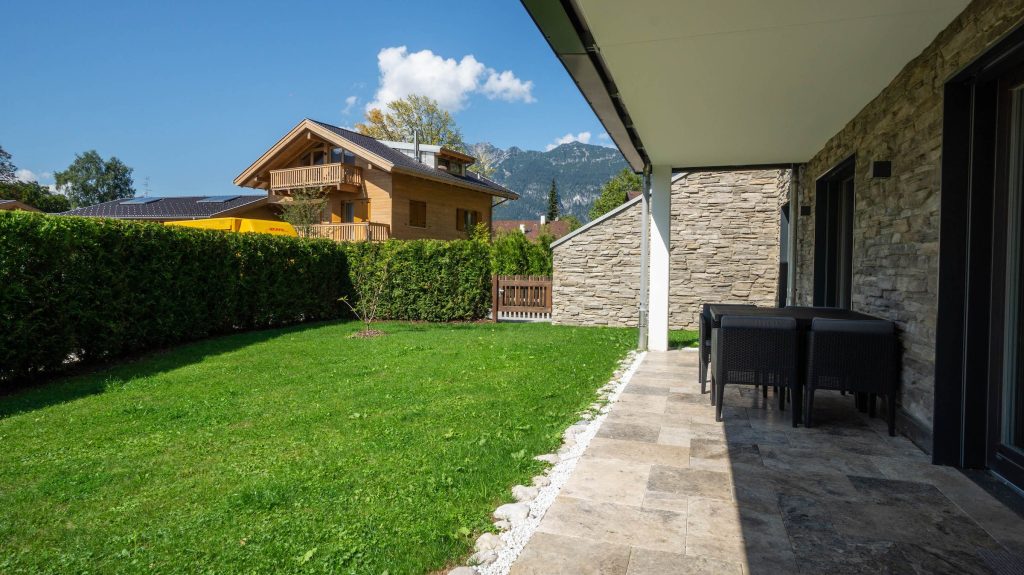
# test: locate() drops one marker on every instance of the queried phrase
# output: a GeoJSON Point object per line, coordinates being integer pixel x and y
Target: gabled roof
{"type": "Point", "coordinates": [381, 155]}
{"type": "Point", "coordinates": [16, 205]}
{"type": "Point", "coordinates": [170, 208]}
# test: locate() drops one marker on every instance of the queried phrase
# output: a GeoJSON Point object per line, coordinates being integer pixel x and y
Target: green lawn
{"type": "Point", "coordinates": [290, 451]}
{"type": "Point", "coordinates": [683, 338]}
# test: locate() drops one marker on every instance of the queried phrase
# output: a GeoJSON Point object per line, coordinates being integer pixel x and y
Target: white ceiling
{"type": "Point", "coordinates": [743, 82]}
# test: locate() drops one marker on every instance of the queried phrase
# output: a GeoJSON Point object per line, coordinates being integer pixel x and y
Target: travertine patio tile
{"type": "Point", "coordinates": [798, 461]}
{"type": "Point", "coordinates": [641, 389]}
{"type": "Point", "coordinates": [672, 435]}
{"type": "Point", "coordinates": [758, 555]}
{"type": "Point", "coordinates": [550, 554]}
{"type": "Point", "coordinates": [646, 418]}
{"type": "Point", "coordinates": [647, 562]}
{"type": "Point", "coordinates": [711, 518]}
{"type": "Point", "coordinates": [646, 403]}
{"type": "Point", "coordinates": [639, 452]}
{"type": "Point", "coordinates": [629, 431]}
{"type": "Point", "coordinates": [620, 524]}
{"type": "Point", "coordinates": [669, 487]}
{"type": "Point", "coordinates": [611, 480]}
{"type": "Point", "coordinates": [717, 455]}
{"type": "Point", "coordinates": [694, 398]}
{"type": "Point", "coordinates": [655, 380]}
{"type": "Point", "coordinates": [753, 493]}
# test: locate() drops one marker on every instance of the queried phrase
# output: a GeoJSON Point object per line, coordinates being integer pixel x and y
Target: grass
{"type": "Point", "coordinates": [299, 450]}
{"type": "Point", "coordinates": [683, 338]}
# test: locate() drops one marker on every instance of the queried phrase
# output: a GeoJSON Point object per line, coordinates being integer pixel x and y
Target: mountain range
{"type": "Point", "coordinates": [578, 169]}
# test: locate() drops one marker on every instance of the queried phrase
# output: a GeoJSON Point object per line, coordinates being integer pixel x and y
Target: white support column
{"type": "Point", "coordinates": [661, 227]}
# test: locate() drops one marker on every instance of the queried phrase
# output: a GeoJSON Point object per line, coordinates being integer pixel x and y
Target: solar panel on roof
{"type": "Point", "coordinates": [216, 199]}
{"type": "Point", "coordinates": [137, 201]}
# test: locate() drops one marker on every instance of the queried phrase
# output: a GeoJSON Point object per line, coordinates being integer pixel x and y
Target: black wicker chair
{"type": "Point", "coordinates": [859, 356]}
{"type": "Point", "coordinates": [753, 350]}
{"type": "Point", "coordinates": [704, 333]}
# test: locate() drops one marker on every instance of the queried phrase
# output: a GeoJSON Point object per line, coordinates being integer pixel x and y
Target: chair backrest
{"type": "Point", "coordinates": [705, 309]}
{"type": "Point", "coordinates": [865, 326]}
{"type": "Point", "coordinates": [758, 322]}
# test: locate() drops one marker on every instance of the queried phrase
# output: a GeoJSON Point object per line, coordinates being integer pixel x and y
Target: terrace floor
{"type": "Point", "coordinates": [665, 489]}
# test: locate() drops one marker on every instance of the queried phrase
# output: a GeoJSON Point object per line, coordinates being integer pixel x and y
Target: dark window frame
{"type": "Point", "coordinates": [968, 358]}
{"type": "Point", "coordinates": [414, 223]}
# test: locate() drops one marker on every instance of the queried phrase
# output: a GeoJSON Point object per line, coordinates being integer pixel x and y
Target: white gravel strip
{"type": "Point", "coordinates": [515, 539]}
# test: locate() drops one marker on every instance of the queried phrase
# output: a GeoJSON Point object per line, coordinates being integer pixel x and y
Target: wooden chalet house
{"type": "Point", "coordinates": [376, 189]}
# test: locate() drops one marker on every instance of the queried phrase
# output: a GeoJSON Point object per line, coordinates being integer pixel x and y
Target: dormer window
{"type": "Point", "coordinates": [453, 167]}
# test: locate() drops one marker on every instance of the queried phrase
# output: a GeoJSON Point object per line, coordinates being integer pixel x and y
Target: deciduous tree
{"type": "Point", "coordinates": [7, 168]}
{"type": "Point", "coordinates": [305, 209]}
{"type": "Point", "coordinates": [404, 117]}
{"type": "Point", "coordinates": [92, 180]}
{"type": "Point", "coordinates": [614, 192]}
{"type": "Point", "coordinates": [33, 194]}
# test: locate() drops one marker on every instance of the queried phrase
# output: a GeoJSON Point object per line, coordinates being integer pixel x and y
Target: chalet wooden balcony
{"type": "Point", "coordinates": [357, 232]}
{"type": "Point", "coordinates": [316, 176]}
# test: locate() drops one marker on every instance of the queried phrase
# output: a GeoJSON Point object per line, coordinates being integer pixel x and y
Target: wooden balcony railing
{"type": "Point", "coordinates": [311, 176]}
{"type": "Point", "coordinates": [358, 232]}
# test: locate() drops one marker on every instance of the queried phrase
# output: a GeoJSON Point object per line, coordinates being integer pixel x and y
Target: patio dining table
{"type": "Point", "coordinates": [803, 316]}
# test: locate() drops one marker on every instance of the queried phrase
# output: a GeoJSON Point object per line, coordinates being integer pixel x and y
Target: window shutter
{"type": "Point", "coordinates": [460, 219]}
{"type": "Point", "coordinates": [417, 214]}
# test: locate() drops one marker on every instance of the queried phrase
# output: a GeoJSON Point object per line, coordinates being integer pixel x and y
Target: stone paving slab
{"type": "Point", "coordinates": [665, 489]}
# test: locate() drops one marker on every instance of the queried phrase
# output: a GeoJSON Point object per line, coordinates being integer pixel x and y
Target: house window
{"type": "Point", "coordinates": [466, 219]}
{"type": "Point", "coordinates": [417, 214]}
{"type": "Point", "coordinates": [342, 156]}
{"type": "Point", "coordinates": [350, 212]}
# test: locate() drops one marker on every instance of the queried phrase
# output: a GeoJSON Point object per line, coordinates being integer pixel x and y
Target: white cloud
{"type": "Point", "coordinates": [603, 139]}
{"type": "Point", "coordinates": [350, 102]}
{"type": "Point", "coordinates": [26, 175]}
{"type": "Point", "coordinates": [582, 137]}
{"type": "Point", "coordinates": [446, 80]}
{"type": "Point", "coordinates": [505, 86]}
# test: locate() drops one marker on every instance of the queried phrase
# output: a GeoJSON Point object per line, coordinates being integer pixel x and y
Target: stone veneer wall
{"type": "Point", "coordinates": [724, 247]}
{"type": "Point", "coordinates": [896, 220]}
{"type": "Point", "coordinates": [725, 240]}
{"type": "Point", "coordinates": [596, 277]}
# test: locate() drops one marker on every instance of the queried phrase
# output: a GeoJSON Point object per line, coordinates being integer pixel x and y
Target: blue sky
{"type": "Point", "coordinates": [190, 93]}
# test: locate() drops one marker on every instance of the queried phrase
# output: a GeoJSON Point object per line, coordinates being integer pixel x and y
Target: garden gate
{"type": "Point", "coordinates": [521, 298]}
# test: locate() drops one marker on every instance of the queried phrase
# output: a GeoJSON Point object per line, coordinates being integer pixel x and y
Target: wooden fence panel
{"type": "Point", "coordinates": [521, 298]}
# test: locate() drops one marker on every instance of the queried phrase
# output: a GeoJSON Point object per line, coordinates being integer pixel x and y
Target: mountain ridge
{"type": "Point", "coordinates": [578, 169]}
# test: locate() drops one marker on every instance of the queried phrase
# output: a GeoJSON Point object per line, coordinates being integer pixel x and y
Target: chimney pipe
{"type": "Point", "coordinates": [543, 220]}
{"type": "Point", "coordinates": [416, 144]}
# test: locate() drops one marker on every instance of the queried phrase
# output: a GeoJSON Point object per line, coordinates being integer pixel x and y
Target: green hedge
{"type": "Point", "coordinates": [513, 254]}
{"type": "Point", "coordinates": [430, 280]}
{"type": "Point", "coordinates": [94, 289]}
{"type": "Point", "coordinates": [90, 290]}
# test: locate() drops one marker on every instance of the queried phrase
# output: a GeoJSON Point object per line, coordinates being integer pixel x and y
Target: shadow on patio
{"type": "Point", "coordinates": [664, 489]}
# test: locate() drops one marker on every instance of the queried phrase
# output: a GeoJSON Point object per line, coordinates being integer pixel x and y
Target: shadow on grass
{"type": "Point", "coordinates": [31, 395]}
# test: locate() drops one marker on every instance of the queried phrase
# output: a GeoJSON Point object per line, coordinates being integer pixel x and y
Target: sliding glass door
{"type": "Point", "coordinates": [1006, 407]}
{"type": "Point", "coordinates": [833, 237]}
